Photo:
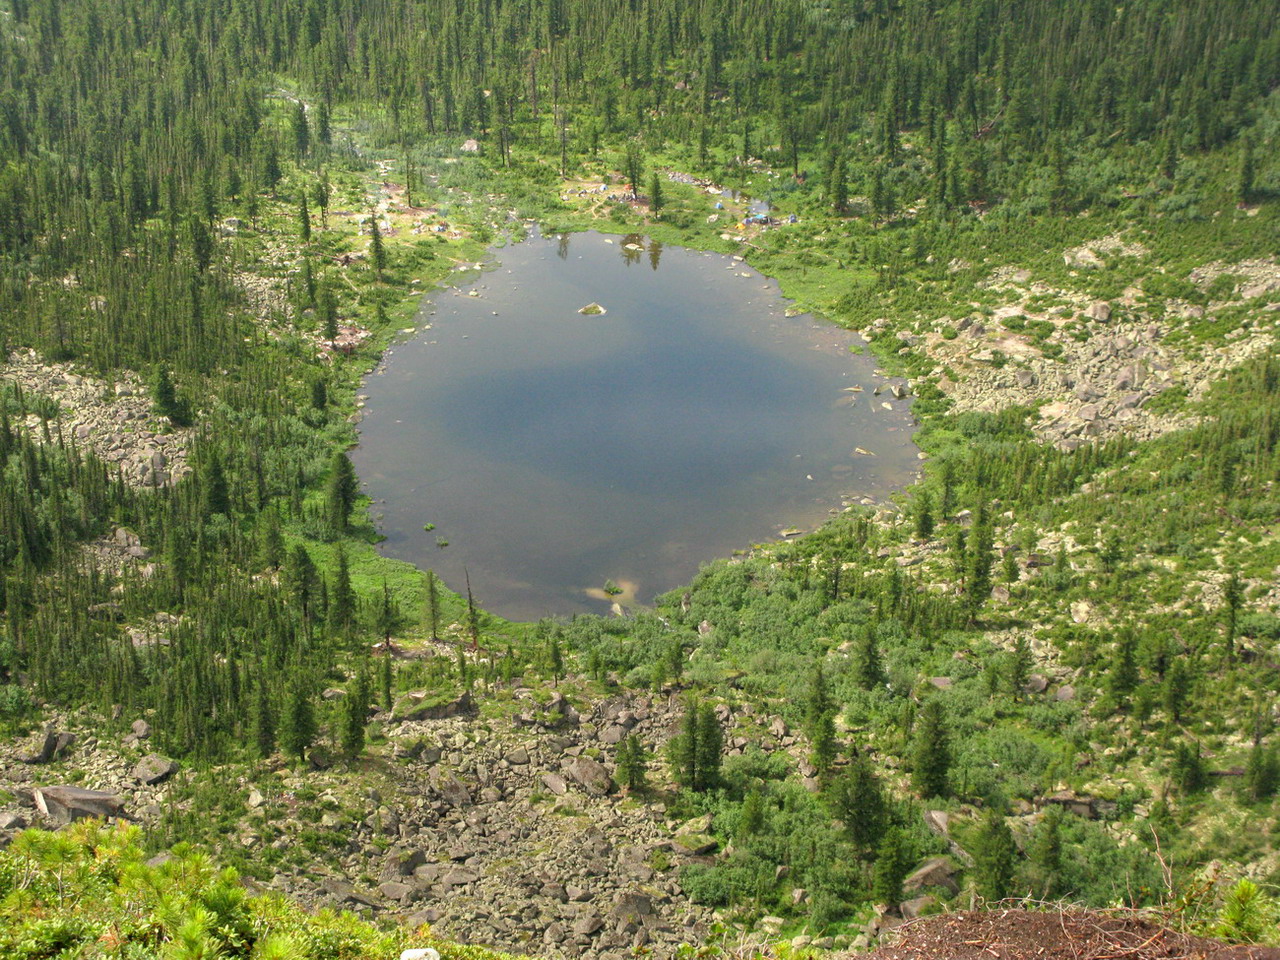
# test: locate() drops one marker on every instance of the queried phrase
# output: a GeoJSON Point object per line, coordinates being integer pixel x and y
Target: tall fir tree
{"type": "Point", "coordinates": [931, 753]}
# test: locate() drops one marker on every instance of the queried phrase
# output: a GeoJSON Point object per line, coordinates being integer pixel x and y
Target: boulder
{"type": "Point", "coordinates": [587, 926]}
{"type": "Point", "coordinates": [401, 863]}
{"type": "Point", "coordinates": [700, 824]}
{"type": "Point", "coordinates": [938, 821]}
{"type": "Point", "coordinates": [555, 783]}
{"type": "Point", "coordinates": [1099, 310]}
{"type": "Point", "coordinates": [153, 769]}
{"type": "Point", "coordinates": [65, 804]}
{"type": "Point", "coordinates": [934, 872]}
{"type": "Point", "coordinates": [590, 775]}
{"type": "Point", "coordinates": [917, 907]}
{"type": "Point", "coordinates": [422, 953]}
{"type": "Point", "coordinates": [396, 890]}
{"type": "Point", "coordinates": [13, 821]}
{"type": "Point", "coordinates": [518, 757]}
{"type": "Point", "coordinates": [343, 892]}
{"type": "Point", "coordinates": [419, 706]}
{"type": "Point", "coordinates": [141, 729]}
{"type": "Point", "coordinates": [1080, 806]}
{"type": "Point", "coordinates": [55, 745]}
{"type": "Point", "coordinates": [632, 905]}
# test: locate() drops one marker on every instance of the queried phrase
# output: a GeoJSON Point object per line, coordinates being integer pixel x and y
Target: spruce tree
{"type": "Point", "coordinates": [1262, 772]}
{"type": "Point", "coordinates": [710, 747]}
{"type": "Point", "coordinates": [387, 616]}
{"type": "Point", "coordinates": [342, 598]}
{"type": "Point", "coordinates": [1046, 853]}
{"type": "Point", "coordinates": [355, 714]}
{"type": "Point", "coordinates": [1019, 665]}
{"type": "Point", "coordinates": [377, 251]}
{"type": "Point", "coordinates": [820, 722]}
{"type": "Point", "coordinates": [633, 763]}
{"type": "Point", "coordinates": [924, 516]}
{"type": "Point", "coordinates": [555, 660]}
{"type": "Point", "coordinates": [867, 665]}
{"type": "Point", "coordinates": [892, 864]}
{"type": "Point", "coordinates": [304, 217]}
{"type": "Point", "coordinates": [655, 193]}
{"type": "Point", "coordinates": [931, 753]}
{"type": "Point", "coordinates": [431, 606]}
{"type": "Point", "coordinates": [341, 493]}
{"type": "Point", "coordinates": [751, 816]}
{"type": "Point", "coordinates": [1187, 769]}
{"type": "Point", "coordinates": [1244, 183]}
{"type": "Point", "coordinates": [684, 747]}
{"type": "Point", "coordinates": [1123, 676]}
{"type": "Point", "coordinates": [857, 800]}
{"type": "Point", "coordinates": [298, 727]}
{"type": "Point", "coordinates": [994, 856]}
{"type": "Point", "coordinates": [1232, 598]}
{"type": "Point", "coordinates": [302, 579]}
{"type": "Point", "coordinates": [217, 496]}
{"type": "Point", "coordinates": [166, 400]}
{"type": "Point", "coordinates": [264, 723]}
{"type": "Point", "coordinates": [272, 551]}
{"type": "Point", "coordinates": [1176, 690]}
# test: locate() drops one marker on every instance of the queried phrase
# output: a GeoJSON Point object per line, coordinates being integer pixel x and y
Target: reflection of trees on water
{"type": "Point", "coordinates": [562, 248]}
{"type": "Point", "coordinates": [655, 253]}
{"type": "Point", "coordinates": [632, 248]}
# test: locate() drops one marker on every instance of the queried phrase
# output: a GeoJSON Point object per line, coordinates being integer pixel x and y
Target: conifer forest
{"type": "Point", "coordinates": [1044, 672]}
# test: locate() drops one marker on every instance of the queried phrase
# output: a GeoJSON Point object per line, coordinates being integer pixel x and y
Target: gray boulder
{"type": "Point", "coordinates": [153, 769]}
{"type": "Point", "coordinates": [555, 783]}
{"type": "Point", "coordinates": [590, 775]}
{"type": "Point", "coordinates": [1099, 310]}
{"type": "Point", "coordinates": [55, 746]}
{"type": "Point", "coordinates": [934, 872]}
{"type": "Point", "coordinates": [65, 804]}
{"type": "Point", "coordinates": [914, 908]}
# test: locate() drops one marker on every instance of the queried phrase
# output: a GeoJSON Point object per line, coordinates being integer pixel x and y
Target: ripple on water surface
{"type": "Point", "coordinates": [553, 450]}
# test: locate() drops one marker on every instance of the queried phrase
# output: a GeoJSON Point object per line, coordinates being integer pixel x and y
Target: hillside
{"type": "Point", "coordinates": [1048, 669]}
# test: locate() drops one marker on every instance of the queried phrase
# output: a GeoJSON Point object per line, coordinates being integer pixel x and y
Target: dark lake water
{"type": "Point", "coordinates": [554, 451]}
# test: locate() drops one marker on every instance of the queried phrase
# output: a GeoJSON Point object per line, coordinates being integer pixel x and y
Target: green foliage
{"type": "Point", "coordinates": [931, 756]}
{"type": "Point", "coordinates": [87, 891]}
{"type": "Point", "coordinates": [892, 864]}
{"type": "Point", "coordinates": [994, 857]}
{"type": "Point", "coordinates": [1248, 915]}
{"type": "Point", "coordinates": [632, 763]}
{"type": "Point", "coordinates": [857, 800]}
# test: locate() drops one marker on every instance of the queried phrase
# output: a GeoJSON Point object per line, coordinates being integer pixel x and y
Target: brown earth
{"type": "Point", "coordinates": [1029, 935]}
